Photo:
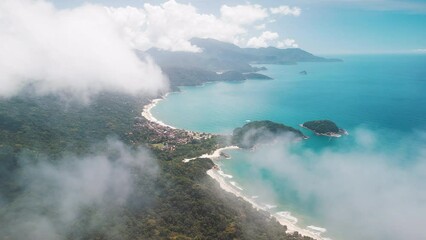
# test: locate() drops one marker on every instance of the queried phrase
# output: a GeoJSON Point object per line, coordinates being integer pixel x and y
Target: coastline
{"type": "Point", "coordinates": [214, 155]}
{"type": "Point", "coordinates": [146, 113]}
{"type": "Point", "coordinates": [284, 218]}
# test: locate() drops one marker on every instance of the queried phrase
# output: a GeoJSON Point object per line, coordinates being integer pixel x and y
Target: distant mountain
{"type": "Point", "coordinates": [269, 55]}
{"type": "Point", "coordinates": [187, 68]}
{"type": "Point", "coordinates": [185, 76]}
{"type": "Point", "coordinates": [198, 60]}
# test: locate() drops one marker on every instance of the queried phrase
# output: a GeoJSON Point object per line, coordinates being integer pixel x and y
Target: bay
{"type": "Point", "coordinates": [381, 97]}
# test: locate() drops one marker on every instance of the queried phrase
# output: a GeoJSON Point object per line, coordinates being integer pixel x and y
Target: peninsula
{"type": "Point", "coordinates": [221, 61]}
{"type": "Point", "coordinates": [208, 148]}
{"type": "Point", "coordinates": [177, 199]}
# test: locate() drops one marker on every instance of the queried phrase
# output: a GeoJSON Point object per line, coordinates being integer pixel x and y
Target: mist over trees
{"type": "Point", "coordinates": [84, 172]}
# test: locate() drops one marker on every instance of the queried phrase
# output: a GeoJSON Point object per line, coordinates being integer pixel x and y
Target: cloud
{"type": "Point", "coordinates": [260, 26]}
{"type": "Point", "coordinates": [82, 51]}
{"type": "Point", "coordinates": [268, 38]}
{"type": "Point", "coordinates": [263, 40]}
{"type": "Point", "coordinates": [171, 25]}
{"type": "Point", "coordinates": [58, 195]}
{"type": "Point", "coordinates": [243, 14]}
{"type": "Point", "coordinates": [287, 43]}
{"type": "Point", "coordinates": [362, 193]}
{"type": "Point", "coordinates": [78, 51]}
{"type": "Point", "coordinates": [365, 138]}
{"type": "Point", "coordinates": [286, 10]}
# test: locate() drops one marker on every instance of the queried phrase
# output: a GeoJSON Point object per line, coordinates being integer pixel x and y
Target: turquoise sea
{"type": "Point", "coordinates": [348, 184]}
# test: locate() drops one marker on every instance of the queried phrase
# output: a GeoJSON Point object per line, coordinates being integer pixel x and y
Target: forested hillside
{"type": "Point", "coordinates": [52, 153]}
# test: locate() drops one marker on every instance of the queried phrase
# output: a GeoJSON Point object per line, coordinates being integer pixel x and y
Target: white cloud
{"type": "Point", "coordinates": [286, 10]}
{"type": "Point", "coordinates": [287, 43]}
{"type": "Point", "coordinates": [171, 25]}
{"type": "Point", "coordinates": [263, 40]}
{"type": "Point", "coordinates": [82, 51]}
{"type": "Point", "coordinates": [365, 138]}
{"type": "Point", "coordinates": [78, 51]}
{"type": "Point", "coordinates": [260, 27]}
{"type": "Point", "coordinates": [55, 196]}
{"type": "Point", "coordinates": [243, 14]}
{"type": "Point", "coordinates": [363, 193]}
{"type": "Point", "coordinates": [268, 38]}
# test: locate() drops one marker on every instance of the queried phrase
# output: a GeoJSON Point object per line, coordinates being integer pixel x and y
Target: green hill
{"type": "Point", "coordinates": [257, 132]}
{"type": "Point", "coordinates": [324, 127]}
{"type": "Point", "coordinates": [188, 68]}
{"type": "Point", "coordinates": [176, 201]}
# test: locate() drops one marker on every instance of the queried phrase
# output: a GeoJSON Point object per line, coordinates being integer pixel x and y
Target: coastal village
{"type": "Point", "coordinates": [168, 139]}
{"type": "Point", "coordinates": [165, 137]}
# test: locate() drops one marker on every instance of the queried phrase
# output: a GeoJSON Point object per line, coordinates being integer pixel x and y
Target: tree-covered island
{"type": "Point", "coordinates": [257, 132]}
{"type": "Point", "coordinates": [325, 128]}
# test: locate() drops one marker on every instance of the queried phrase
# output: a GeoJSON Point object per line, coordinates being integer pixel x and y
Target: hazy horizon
{"type": "Point", "coordinates": [320, 27]}
{"type": "Point", "coordinates": [93, 146]}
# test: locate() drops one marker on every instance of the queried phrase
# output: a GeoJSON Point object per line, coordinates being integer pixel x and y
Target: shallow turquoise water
{"type": "Point", "coordinates": [384, 94]}
{"type": "Point", "coordinates": [376, 91]}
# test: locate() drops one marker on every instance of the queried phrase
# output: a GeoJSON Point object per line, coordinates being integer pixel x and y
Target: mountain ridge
{"type": "Point", "coordinates": [218, 60]}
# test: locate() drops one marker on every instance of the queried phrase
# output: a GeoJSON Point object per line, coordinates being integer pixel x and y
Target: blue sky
{"type": "Point", "coordinates": [327, 26]}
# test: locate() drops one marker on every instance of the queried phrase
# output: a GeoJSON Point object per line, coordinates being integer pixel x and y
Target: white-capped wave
{"type": "Point", "coordinates": [287, 215]}
{"type": "Point", "coordinates": [224, 174]}
{"type": "Point", "coordinates": [317, 229]}
{"type": "Point", "coordinates": [235, 185]}
{"type": "Point", "coordinates": [269, 206]}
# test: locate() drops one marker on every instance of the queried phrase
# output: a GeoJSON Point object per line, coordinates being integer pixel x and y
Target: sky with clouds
{"type": "Point", "coordinates": [77, 49]}
{"type": "Point", "coordinates": [319, 26]}
{"type": "Point", "coordinates": [83, 47]}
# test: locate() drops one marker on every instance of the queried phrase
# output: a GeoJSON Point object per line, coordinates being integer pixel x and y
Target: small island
{"type": "Point", "coordinates": [325, 128]}
{"type": "Point", "coordinates": [256, 132]}
{"type": "Point", "coordinates": [256, 76]}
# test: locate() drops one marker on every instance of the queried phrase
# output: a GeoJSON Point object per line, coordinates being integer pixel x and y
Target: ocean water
{"type": "Point", "coordinates": [379, 99]}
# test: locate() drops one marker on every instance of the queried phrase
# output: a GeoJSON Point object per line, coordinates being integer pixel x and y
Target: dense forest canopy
{"type": "Point", "coordinates": [72, 171]}
{"type": "Point", "coordinates": [257, 132]}
{"type": "Point", "coordinates": [99, 170]}
{"type": "Point", "coordinates": [322, 126]}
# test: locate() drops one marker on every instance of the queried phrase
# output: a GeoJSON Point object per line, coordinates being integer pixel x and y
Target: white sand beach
{"type": "Point", "coordinates": [214, 155]}
{"type": "Point", "coordinates": [148, 115]}
{"type": "Point", "coordinates": [284, 218]}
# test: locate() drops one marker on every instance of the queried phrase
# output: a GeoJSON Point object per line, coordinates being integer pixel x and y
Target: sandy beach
{"type": "Point", "coordinates": [214, 155]}
{"type": "Point", "coordinates": [148, 115]}
{"type": "Point", "coordinates": [284, 218]}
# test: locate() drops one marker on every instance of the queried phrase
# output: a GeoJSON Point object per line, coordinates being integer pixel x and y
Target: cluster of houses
{"type": "Point", "coordinates": [165, 137]}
